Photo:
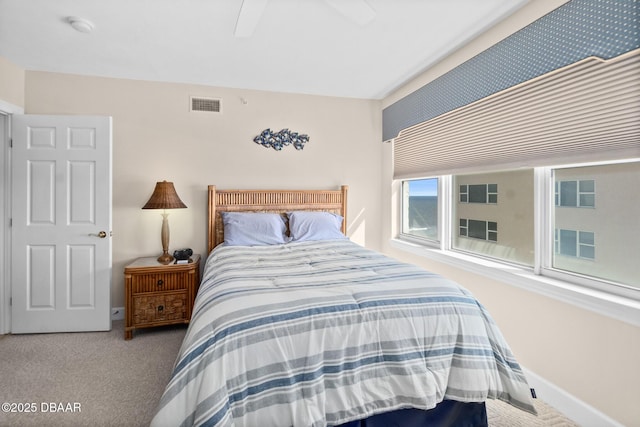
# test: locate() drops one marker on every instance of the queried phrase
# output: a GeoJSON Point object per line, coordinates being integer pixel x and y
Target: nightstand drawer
{"type": "Point", "coordinates": [166, 306]}
{"type": "Point", "coordinates": [154, 282]}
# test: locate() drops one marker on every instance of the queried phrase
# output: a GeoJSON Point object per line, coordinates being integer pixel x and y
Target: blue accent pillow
{"type": "Point", "coordinates": [304, 225]}
{"type": "Point", "coordinates": [254, 229]}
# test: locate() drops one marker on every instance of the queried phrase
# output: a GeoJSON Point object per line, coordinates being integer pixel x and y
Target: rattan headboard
{"type": "Point", "coordinates": [271, 201]}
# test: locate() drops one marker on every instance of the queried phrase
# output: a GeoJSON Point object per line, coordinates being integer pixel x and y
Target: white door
{"type": "Point", "coordinates": [61, 224]}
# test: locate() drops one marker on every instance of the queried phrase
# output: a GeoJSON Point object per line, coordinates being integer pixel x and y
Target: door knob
{"type": "Point", "coordinates": [101, 234]}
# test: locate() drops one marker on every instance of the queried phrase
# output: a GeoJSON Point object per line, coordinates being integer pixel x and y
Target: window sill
{"type": "Point", "coordinates": [624, 309]}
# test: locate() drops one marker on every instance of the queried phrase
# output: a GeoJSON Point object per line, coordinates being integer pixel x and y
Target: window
{"type": "Point", "coordinates": [479, 193]}
{"type": "Point", "coordinates": [592, 246]}
{"type": "Point", "coordinates": [464, 193]}
{"type": "Point", "coordinates": [578, 244]}
{"type": "Point", "coordinates": [481, 214]}
{"type": "Point", "coordinates": [575, 193]}
{"type": "Point", "coordinates": [597, 242]}
{"type": "Point", "coordinates": [420, 212]}
{"type": "Point", "coordinates": [483, 230]}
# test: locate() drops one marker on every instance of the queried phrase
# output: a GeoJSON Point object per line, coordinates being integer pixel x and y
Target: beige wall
{"type": "Point", "coordinates": [11, 83]}
{"type": "Point", "coordinates": [590, 356]}
{"type": "Point", "coordinates": [155, 137]}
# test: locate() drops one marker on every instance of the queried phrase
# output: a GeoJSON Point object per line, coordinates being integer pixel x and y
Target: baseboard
{"type": "Point", "coordinates": [117, 313]}
{"type": "Point", "coordinates": [573, 408]}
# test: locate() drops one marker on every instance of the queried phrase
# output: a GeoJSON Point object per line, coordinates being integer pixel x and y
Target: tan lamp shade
{"type": "Point", "coordinates": [164, 197]}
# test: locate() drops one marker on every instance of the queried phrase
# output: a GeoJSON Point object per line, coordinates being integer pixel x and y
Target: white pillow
{"type": "Point", "coordinates": [305, 225]}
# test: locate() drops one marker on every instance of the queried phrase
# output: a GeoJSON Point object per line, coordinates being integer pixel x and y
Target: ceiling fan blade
{"type": "Point", "coordinates": [249, 16]}
{"type": "Point", "coordinates": [357, 11]}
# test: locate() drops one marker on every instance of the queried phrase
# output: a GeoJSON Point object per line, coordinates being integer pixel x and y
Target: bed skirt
{"type": "Point", "coordinates": [448, 413]}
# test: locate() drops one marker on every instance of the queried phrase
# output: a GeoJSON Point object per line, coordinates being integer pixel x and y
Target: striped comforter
{"type": "Point", "coordinates": [321, 333]}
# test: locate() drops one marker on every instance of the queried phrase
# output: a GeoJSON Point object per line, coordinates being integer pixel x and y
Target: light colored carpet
{"type": "Point", "coordinates": [119, 383]}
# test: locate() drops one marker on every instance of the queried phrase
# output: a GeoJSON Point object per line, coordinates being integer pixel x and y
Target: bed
{"type": "Point", "coordinates": [296, 325]}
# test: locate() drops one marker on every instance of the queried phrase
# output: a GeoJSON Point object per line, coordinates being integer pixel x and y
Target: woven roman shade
{"type": "Point", "coordinates": [588, 111]}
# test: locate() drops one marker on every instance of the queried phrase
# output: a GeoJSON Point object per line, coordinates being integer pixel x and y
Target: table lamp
{"type": "Point", "coordinates": [164, 197]}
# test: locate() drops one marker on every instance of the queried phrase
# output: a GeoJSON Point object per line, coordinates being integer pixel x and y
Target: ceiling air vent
{"type": "Point", "coordinates": [208, 105]}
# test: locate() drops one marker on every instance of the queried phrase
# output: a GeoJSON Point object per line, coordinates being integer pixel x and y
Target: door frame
{"type": "Point", "coordinates": [6, 110]}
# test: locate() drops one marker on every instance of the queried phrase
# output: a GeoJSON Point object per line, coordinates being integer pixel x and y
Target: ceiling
{"type": "Point", "coordinates": [345, 48]}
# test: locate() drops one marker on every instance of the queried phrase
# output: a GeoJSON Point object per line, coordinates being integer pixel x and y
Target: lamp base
{"type": "Point", "coordinates": [165, 258]}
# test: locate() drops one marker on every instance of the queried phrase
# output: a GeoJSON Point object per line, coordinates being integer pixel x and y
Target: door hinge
{"type": "Point", "coordinates": [10, 142]}
{"type": "Point", "coordinates": [10, 222]}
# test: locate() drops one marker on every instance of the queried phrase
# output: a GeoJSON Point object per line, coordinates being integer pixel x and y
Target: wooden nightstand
{"type": "Point", "coordinates": [158, 294]}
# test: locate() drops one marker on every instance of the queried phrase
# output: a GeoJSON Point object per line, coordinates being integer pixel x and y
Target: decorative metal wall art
{"type": "Point", "coordinates": [277, 140]}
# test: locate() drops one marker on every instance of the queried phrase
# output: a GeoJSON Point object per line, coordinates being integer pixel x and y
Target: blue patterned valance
{"type": "Point", "coordinates": [574, 31]}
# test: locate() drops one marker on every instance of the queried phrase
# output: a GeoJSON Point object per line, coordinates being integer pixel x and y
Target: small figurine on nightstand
{"type": "Point", "coordinates": [182, 256]}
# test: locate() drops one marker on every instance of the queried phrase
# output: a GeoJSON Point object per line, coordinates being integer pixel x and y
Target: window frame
{"type": "Point", "coordinates": [544, 244]}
